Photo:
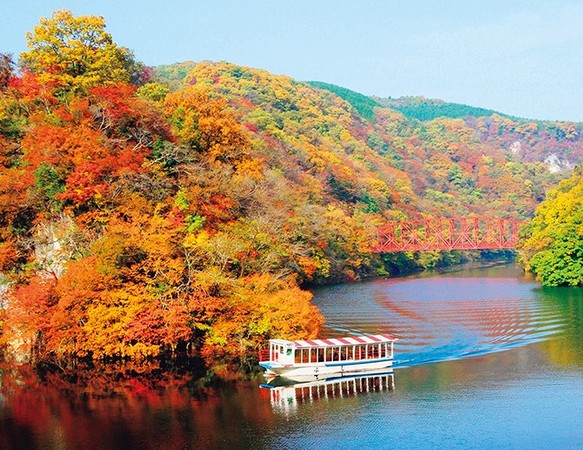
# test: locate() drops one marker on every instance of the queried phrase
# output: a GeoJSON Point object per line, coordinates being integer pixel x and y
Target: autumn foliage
{"type": "Point", "coordinates": [185, 215]}
{"type": "Point", "coordinates": [117, 210]}
{"type": "Point", "coordinates": [553, 244]}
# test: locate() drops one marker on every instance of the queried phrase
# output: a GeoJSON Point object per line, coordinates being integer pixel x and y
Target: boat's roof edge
{"type": "Point", "coordinates": [336, 342]}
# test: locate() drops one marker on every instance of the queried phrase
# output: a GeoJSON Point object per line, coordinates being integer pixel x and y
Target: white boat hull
{"type": "Point", "coordinates": [323, 369]}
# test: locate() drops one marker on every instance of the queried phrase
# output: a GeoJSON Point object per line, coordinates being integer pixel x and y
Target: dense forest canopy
{"type": "Point", "coordinates": [182, 209]}
{"type": "Point", "coordinates": [363, 104]}
{"type": "Point", "coordinates": [428, 109]}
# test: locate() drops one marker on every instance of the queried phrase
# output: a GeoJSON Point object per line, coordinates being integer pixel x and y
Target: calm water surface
{"type": "Point", "coordinates": [486, 359]}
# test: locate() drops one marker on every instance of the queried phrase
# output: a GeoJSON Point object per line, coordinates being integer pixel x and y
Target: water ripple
{"type": "Point", "coordinates": [441, 318]}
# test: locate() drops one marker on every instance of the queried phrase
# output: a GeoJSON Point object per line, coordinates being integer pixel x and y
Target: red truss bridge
{"type": "Point", "coordinates": [460, 233]}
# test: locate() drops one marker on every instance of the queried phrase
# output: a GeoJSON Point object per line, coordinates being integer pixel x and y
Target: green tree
{"type": "Point", "coordinates": [554, 247]}
{"type": "Point", "coordinates": [153, 91]}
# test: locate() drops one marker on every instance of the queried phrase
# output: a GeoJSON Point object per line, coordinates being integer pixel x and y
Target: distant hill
{"type": "Point", "coordinates": [422, 108]}
{"type": "Point", "coordinates": [558, 144]}
{"type": "Point", "coordinates": [412, 107]}
{"type": "Point", "coordinates": [363, 104]}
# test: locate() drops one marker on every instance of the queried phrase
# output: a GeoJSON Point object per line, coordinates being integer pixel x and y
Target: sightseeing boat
{"type": "Point", "coordinates": [324, 357]}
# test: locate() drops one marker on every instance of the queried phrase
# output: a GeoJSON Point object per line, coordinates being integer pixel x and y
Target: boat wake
{"type": "Point", "coordinates": [442, 318]}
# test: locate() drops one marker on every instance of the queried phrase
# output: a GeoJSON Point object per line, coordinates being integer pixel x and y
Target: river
{"type": "Point", "coordinates": [485, 359]}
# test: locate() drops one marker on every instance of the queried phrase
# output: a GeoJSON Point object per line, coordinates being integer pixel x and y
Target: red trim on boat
{"type": "Point", "coordinates": [349, 340]}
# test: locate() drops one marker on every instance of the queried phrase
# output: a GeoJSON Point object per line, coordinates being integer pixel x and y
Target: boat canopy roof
{"type": "Point", "coordinates": [335, 342]}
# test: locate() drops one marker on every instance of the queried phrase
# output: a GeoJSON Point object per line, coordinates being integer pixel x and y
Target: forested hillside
{"type": "Point", "coordinates": [146, 213]}
{"type": "Point", "coordinates": [558, 144]}
{"type": "Point", "coordinates": [441, 167]}
{"type": "Point", "coordinates": [428, 109]}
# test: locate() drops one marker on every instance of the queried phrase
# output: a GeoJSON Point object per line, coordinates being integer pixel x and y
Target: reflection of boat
{"type": "Point", "coordinates": [285, 396]}
{"type": "Point", "coordinates": [322, 357]}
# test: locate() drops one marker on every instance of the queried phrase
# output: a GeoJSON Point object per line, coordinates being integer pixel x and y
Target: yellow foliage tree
{"type": "Point", "coordinates": [76, 52]}
{"type": "Point", "coordinates": [262, 307]}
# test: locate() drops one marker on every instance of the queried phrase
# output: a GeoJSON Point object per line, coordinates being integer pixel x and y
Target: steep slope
{"type": "Point", "coordinates": [440, 167]}
{"type": "Point", "coordinates": [558, 144]}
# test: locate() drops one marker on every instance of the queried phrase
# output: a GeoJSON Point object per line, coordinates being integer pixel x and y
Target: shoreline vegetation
{"type": "Point", "coordinates": [148, 214]}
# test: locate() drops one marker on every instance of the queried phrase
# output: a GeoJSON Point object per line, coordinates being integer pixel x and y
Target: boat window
{"type": "Point", "coordinates": [321, 355]}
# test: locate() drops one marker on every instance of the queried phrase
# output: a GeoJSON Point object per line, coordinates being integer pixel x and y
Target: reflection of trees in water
{"type": "Point", "coordinates": [127, 408]}
{"type": "Point", "coordinates": [567, 348]}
